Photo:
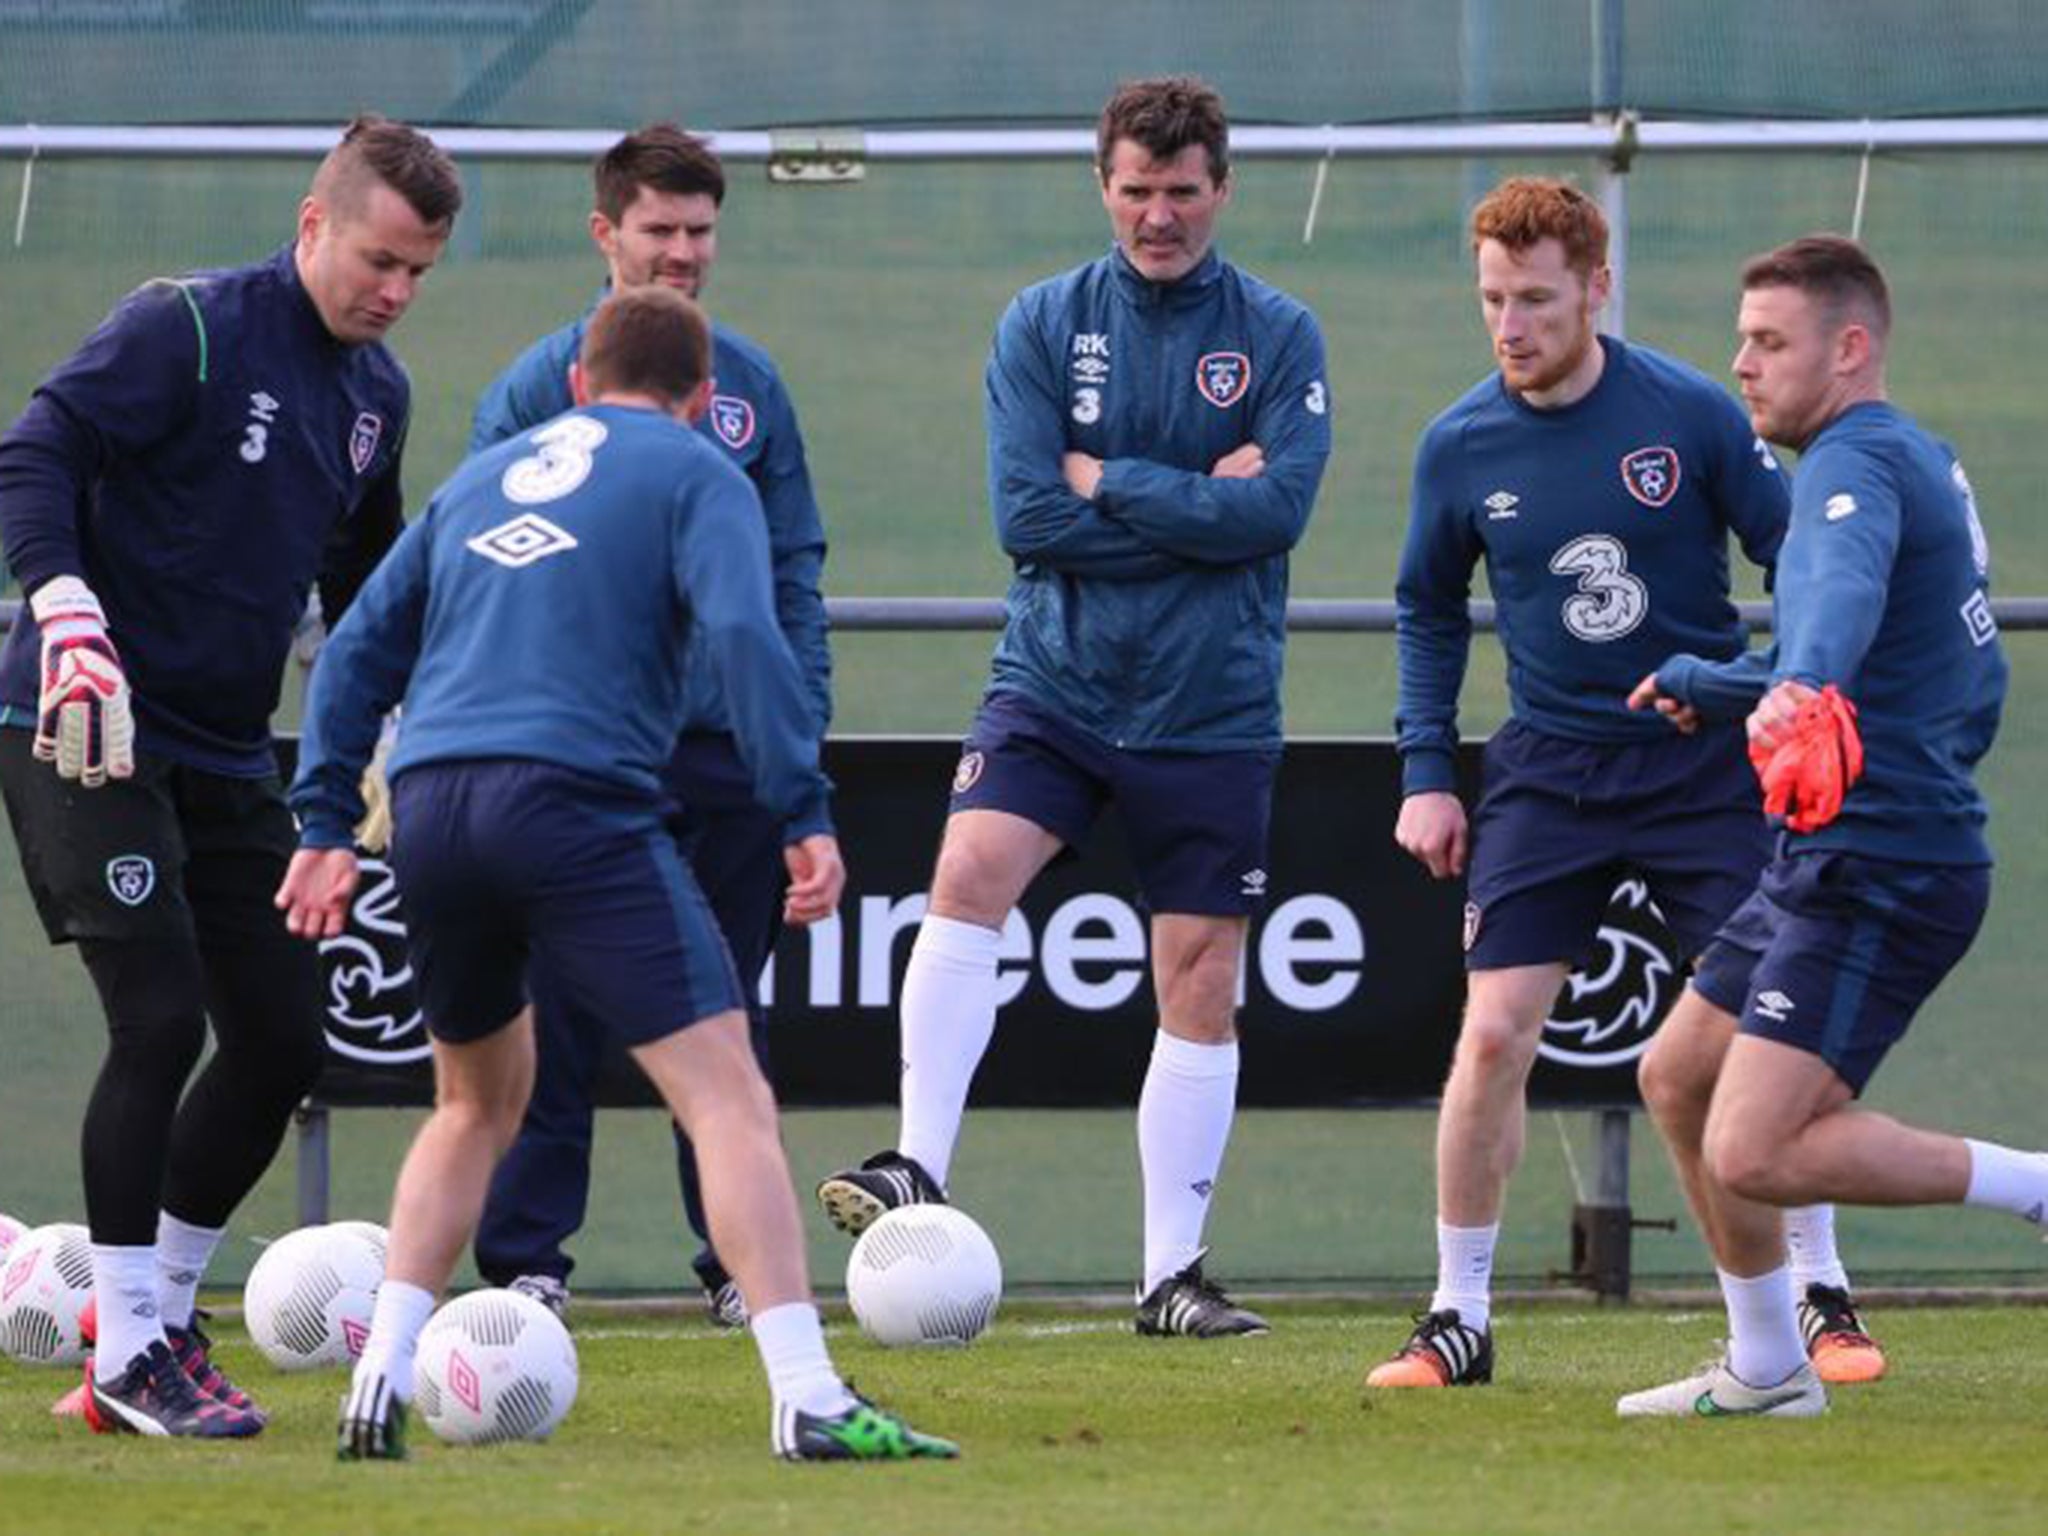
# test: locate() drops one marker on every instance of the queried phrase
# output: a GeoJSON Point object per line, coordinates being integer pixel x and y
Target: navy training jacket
{"type": "Point", "coordinates": [1154, 616]}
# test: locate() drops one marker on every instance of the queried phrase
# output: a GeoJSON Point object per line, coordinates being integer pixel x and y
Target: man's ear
{"type": "Point", "coordinates": [579, 384]}
{"type": "Point", "coordinates": [1854, 348]}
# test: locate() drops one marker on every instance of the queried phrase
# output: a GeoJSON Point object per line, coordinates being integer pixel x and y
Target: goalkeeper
{"type": "Point", "coordinates": [1866, 721]}
{"type": "Point", "coordinates": [168, 497]}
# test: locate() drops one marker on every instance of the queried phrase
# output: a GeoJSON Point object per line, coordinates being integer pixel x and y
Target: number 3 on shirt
{"type": "Point", "coordinates": [562, 464]}
{"type": "Point", "coordinates": [1609, 601]}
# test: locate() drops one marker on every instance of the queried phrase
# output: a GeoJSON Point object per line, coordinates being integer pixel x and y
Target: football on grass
{"type": "Point", "coordinates": [310, 1295]}
{"type": "Point", "coordinates": [494, 1365]}
{"type": "Point", "coordinates": [45, 1283]}
{"type": "Point", "coordinates": [924, 1274]}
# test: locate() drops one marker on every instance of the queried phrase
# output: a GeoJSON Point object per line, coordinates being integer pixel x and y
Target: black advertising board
{"type": "Point", "coordinates": [1352, 980]}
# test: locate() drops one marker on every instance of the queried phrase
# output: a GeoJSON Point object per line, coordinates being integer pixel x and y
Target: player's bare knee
{"type": "Point", "coordinates": [1746, 1164]}
{"type": "Point", "coordinates": [1197, 986]}
{"type": "Point", "coordinates": [970, 885]}
{"type": "Point", "coordinates": [1673, 1088]}
{"type": "Point", "coordinates": [1492, 1044]}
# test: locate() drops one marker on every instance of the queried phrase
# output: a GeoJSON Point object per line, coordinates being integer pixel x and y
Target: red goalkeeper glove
{"type": "Point", "coordinates": [1816, 761]}
{"type": "Point", "coordinates": [83, 721]}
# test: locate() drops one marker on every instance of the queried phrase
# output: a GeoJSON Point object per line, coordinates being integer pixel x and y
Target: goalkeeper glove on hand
{"type": "Point", "coordinates": [83, 721]}
{"type": "Point", "coordinates": [373, 832]}
{"type": "Point", "coordinates": [1813, 766]}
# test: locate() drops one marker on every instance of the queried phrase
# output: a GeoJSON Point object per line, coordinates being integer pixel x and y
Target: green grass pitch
{"type": "Point", "coordinates": [1071, 1424]}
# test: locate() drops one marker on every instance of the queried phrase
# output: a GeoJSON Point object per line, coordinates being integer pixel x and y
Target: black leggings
{"type": "Point", "coordinates": [149, 1144]}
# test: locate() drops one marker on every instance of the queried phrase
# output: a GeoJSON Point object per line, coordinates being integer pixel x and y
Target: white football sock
{"type": "Point", "coordinates": [948, 1018]}
{"type": "Point", "coordinates": [124, 1288]}
{"type": "Point", "coordinates": [182, 1253]}
{"type": "Point", "coordinates": [1184, 1115]}
{"type": "Point", "coordinates": [1464, 1272]}
{"type": "Point", "coordinates": [1810, 1244]}
{"type": "Point", "coordinates": [800, 1374]}
{"type": "Point", "coordinates": [396, 1323]}
{"type": "Point", "coordinates": [1764, 1346]}
{"type": "Point", "coordinates": [2002, 1179]}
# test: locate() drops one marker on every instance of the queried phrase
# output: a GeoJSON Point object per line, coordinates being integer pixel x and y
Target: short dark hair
{"type": "Point", "coordinates": [1163, 117]}
{"type": "Point", "coordinates": [375, 149]}
{"type": "Point", "coordinates": [1525, 210]}
{"type": "Point", "coordinates": [1832, 269]}
{"type": "Point", "coordinates": [660, 156]}
{"type": "Point", "coordinates": [650, 341]}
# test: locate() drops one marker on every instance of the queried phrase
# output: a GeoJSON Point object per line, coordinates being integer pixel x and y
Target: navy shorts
{"type": "Point", "coordinates": [1197, 822]}
{"type": "Point", "coordinates": [503, 861]}
{"type": "Point", "coordinates": [1835, 952]}
{"type": "Point", "coordinates": [1561, 823]}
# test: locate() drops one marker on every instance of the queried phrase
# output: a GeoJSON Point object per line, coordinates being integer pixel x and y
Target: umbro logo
{"type": "Point", "coordinates": [1501, 504]}
{"type": "Point", "coordinates": [1254, 883]}
{"type": "Point", "coordinates": [1775, 1006]}
{"type": "Point", "coordinates": [527, 538]}
{"type": "Point", "coordinates": [1203, 1187]}
{"type": "Point", "coordinates": [354, 1335]}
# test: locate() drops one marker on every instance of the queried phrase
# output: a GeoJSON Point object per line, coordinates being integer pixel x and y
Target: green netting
{"type": "Point", "coordinates": [737, 63]}
{"type": "Point", "coordinates": [877, 301]}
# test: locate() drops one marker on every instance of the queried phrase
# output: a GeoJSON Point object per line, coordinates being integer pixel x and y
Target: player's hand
{"type": "Point", "coordinates": [1770, 723]}
{"type": "Point", "coordinates": [318, 886]}
{"type": "Point", "coordinates": [1245, 463]}
{"type": "Point", "coordinates": [1432, 828]}
{"type": "Point", "coordinates": [84, 723]}
{"type": "Point", "coordinates": [1646, 695]}
{"type": "Point", "coordinates": [1807, 752]}
{"type": "Point", "coordinates": [816, 877]}
{"type": "Point", "coordinates": [1083, 474]}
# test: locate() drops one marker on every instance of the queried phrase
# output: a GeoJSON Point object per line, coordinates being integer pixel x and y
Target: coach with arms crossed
{"type": "Point", "coordinates": [1158, 423]}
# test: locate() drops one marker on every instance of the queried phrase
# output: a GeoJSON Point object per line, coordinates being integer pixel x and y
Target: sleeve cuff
{"type": "Point", "coordinates": [320, 833]}
{"type": "Point", "coordinates": [1428, 772]}
{"type": "Point", "coordinates": [1676, 678]}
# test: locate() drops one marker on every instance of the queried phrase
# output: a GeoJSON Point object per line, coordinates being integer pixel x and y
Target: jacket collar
{"type": "Point", "coordinates": [1141, 292]}
{"type": "Point", "coordinates": [285, 265]}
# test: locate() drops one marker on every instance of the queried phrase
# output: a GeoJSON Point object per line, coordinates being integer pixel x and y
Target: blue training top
{"type": "Point", "coordinates": [1604, 526]}
{"type": "Point", "coordinates": [206, 453]}
{"type": "Point", "coordinates": [1154, 615]}
{"type": "Point", "coordinates": [752, 419]}
{"type": "Point", "coordinates": [1883, 590]}
{"type": "Point", "coordinates": [540, 610]}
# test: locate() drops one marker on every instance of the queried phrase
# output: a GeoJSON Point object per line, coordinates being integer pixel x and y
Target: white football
{"type": "Point", "coordinates": [494, 1365]}
{"type": "Point", "coordinates": [924, 1274]}
{"type": "Point", "coordinates": [309, 1297]}
{"type": "Point", "coordinates": [377, 1235]}
{"type": "Point", "coordinates": [10, 1232]}
{"type": "Point", "coordinates": [45, 1282]}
